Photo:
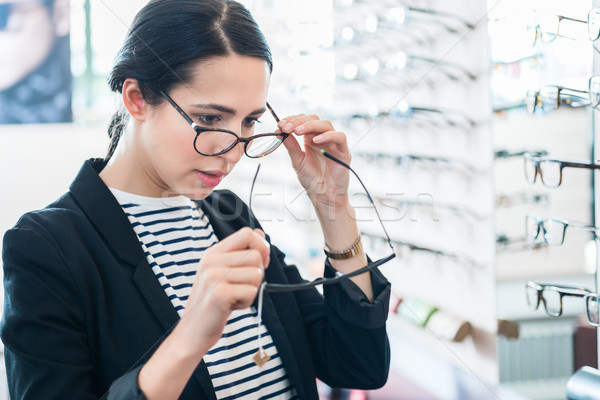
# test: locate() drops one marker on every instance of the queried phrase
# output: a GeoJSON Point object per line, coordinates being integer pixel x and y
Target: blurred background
{"type": "Point", "coordinates": [446, 104]}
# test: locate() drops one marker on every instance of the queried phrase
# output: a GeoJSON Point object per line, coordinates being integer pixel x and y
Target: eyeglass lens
{"type": "Point", "coordinates": [550, 98]}
{"type": "Point", "coordinates": [549, 296]}
{"type": "Point", "coordinates": [217, 142]}
{"type": "Point", "coordinates": [531, 99]}
{"type": "Point", "coordinates": [544, 28]}
{"type": "Point", "coordinates": [594, 86]}
{"type": "Point", "coordinates": [533, 296]}
{"type": "Point", "coordinates": [592, 307]}
{"type": "Point", "coordinates": [550, 171]}
{"type": "Point", "coordinates": [593, 22]}
{"type": "Point", "coordinates": [553, 231]}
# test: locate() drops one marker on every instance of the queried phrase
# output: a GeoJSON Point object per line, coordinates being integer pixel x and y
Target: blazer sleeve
{"type": "Point", "coordinates": [347, 333]}
{"type": "Point", "coordinates": [43, 325]}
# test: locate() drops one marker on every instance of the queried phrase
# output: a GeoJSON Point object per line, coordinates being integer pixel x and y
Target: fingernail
{"type": "Point", "coordinates": [318, 139]}
{"type": "Point", "coordinates": [282, 123]}
{"type": "Point", "coordinates": [300, 129]}
{"type": "Point", "coordinates": [288, 127]}
{"type": "Point", "coordinates": [267, 243]}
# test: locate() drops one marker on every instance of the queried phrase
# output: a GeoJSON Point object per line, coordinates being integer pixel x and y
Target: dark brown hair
{"type": "Point", "coordinates": [167, 39]}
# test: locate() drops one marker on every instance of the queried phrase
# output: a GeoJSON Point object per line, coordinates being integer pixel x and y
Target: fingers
{"type": "Point", "coordinates": [305, 125]}
{"type": "Point", "coordinates": [323, 131]}
{"type": "Point", "coordinates": [244, 239]}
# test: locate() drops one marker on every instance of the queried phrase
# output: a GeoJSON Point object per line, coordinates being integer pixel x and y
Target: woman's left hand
{"type": "Point", "coordinates": [325, 181]}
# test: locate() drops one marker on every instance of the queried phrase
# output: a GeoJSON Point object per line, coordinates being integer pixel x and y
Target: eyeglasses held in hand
{"type": "Point", "coordinates": [552, 229]}
{"type": "Point", "coordinates": [552, 297]}
{"type": "Point", "coordinates": [550, 97]}
{"type": "Point", "coordinates": [549, 170]}
{"type": "Point", "coordinates": [280, 287]}
{"type": "Point", "coordinates": [215, 141]}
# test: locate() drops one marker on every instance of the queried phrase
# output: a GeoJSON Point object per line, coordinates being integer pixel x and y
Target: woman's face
{"type": "Point", "coordinates": [227, 92]}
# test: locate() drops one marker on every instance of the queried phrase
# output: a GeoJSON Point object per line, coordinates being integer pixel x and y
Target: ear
{"type": "Point", "coordinates": [61, 19]}
{"type": "Point", "coordinates": [133, 99]}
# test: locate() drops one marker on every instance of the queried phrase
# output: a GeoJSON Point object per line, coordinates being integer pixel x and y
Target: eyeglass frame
{"type": "Point", "coordinates": [291, 287]}
{"type": "Point", "coordinates": [562, 290]}
{"type": "Point", "coordinates": [562, 164]}
{"type": "Point", "coordinates": [539, 34]}
{"type": "Point", "coordinates": [586, 301]}
{"type": "Point", "coordinates": [571, 97]}
{"type": "Point", "coordinates": [565, 223]}
{"type": "Point", "coordinates": [199, 130]}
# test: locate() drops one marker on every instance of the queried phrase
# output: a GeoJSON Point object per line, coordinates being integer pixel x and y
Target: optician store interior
{"type": "Point", "coordinates": [473, 125]}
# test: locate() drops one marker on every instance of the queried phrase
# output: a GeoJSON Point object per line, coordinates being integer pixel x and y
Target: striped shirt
{"type": "Point", "coordinates": [174, 234]}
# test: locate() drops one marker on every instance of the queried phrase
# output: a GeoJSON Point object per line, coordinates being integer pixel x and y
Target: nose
{"type": "Point", "coordinates": [234, 155]}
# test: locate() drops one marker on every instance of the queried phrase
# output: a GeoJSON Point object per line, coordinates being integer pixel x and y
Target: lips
{"type": "Point", "coordinates": [210, 178]}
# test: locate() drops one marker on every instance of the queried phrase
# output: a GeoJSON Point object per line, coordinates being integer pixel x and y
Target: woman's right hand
{"type": "Point", "coordinates": [228, 278]}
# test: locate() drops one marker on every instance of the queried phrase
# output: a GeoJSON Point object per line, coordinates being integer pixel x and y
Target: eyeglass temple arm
{"type": "Point", "coordinates": [578, 164]}
{"type": "Point", "coordinates": [572, 19]}
{"type": "Point", "coordinates": [337, 160]}
{"type": "Point", "coordinates": [273, 112]}
{"type": "Point", "coordinates": [251, 223]}
{"type": "Point", "coordinates": [179, 110]}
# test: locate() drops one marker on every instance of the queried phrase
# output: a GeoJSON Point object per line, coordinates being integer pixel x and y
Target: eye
{"type": "Point", "coordinates": [208, 120]}
{"type": "Point", "coordinates": [250, 122]}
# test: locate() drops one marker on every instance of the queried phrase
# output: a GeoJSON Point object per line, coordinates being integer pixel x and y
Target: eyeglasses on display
{"type": "Point", "coordinates": [215, 141]}
{"type": "Point", "coordinates": [460, 212]}
{"type": "Point", "coordinates": [551, 296]}
{"type": "Point", "coordinates": [550, 97]}
{"type": "Point", "coordinates": [546, 28]}
{"type": "Point", "coordinates": [404, 249]}
{"type": "Point", "coordinates": [552, 229]}
{"type": "Point", "coordinates": [510, 154]}
{"type": "Point", "coordinates": [517, 199]}
{"type": "Point", "coordinates": [549, 170]}
{"type": "Point", "coordinates": [435, 117]}
{"type": "Point", "coordinates": [425, 161]}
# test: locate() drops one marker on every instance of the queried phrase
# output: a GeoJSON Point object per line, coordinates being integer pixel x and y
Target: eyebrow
{"type": "Point", "coordinates": [225, 109]}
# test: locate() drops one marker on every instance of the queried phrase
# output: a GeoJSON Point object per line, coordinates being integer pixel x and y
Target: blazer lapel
{"type": "Point", "coordinates": [105, 212]}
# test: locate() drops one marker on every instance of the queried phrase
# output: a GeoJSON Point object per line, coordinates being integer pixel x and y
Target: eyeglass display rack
{"type": "Point", "coordinates": [541, 361]}
{"type": "Point", "coordinates": [412, 94]}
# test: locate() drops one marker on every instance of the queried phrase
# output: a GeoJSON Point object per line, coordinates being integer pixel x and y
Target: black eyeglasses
{"type": "Point", "coordinates": [280, 287]}
{"type": "Point", "coordinates": [7, 8]}
{"type": "Point", "coordinates": [552, 298]}
{"type": "Point", "coordinates": [214, 141]}
{"type": "Point", "coordinates": [549, 170]}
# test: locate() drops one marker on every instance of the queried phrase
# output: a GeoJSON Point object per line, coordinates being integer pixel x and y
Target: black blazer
{"type": "Point", "coordinates": [83, 310]}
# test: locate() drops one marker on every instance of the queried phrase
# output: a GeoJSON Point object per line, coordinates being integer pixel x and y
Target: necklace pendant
{"type": "Point", "coordinates": [260, 359]}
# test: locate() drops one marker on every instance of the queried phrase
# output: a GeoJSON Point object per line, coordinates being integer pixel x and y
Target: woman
{"type": "Point", "coordinates": [142, 280]}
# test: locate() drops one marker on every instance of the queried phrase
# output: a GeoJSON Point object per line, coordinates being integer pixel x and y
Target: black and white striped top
{"type": "Point", "coordinates": [174, 234]}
